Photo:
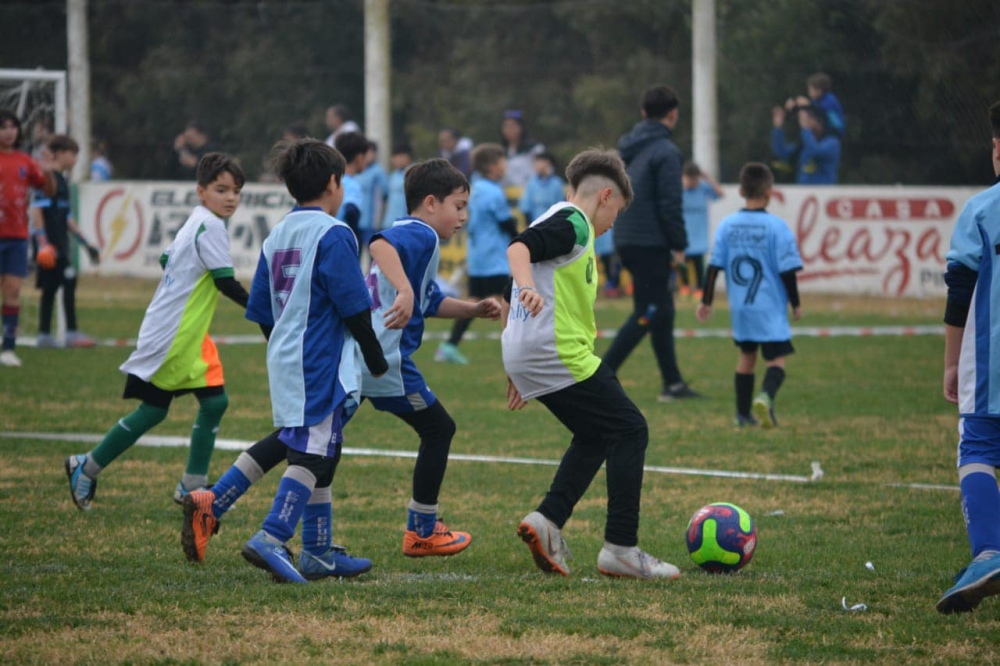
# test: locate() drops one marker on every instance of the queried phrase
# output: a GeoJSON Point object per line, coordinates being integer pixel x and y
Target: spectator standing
{"type": "Point", "coordinates": [338, 121]}
{"type": "Point", "coordinates": [818, 152]}
{"type": "Point", "coordinates": [648, 233]}
{"type": "Point", "coordinates": [101, 168]}
{"type": "Point", "coordinates": [455, 148]}
{"type": "Point", "coordinates": [189, 147]}
{"type": "Point", "coordinates": [519, 147]}
{"type": "Point", "coordinates": [374, 184]}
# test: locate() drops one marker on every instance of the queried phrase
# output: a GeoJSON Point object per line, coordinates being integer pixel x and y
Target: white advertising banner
{"type": "Point", "coordinates": [133, 222]}
{"type": "Point", "coordinates": [887, 241]}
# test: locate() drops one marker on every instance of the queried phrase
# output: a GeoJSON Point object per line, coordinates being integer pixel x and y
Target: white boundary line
{"type": "Point", "coordinates": [242, 445]}
{"type": "Point", "coordinates": [797, 331]}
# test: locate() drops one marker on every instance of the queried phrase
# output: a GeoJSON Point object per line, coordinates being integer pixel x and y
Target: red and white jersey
{"type": "Point", "coordinates": [18, 174]}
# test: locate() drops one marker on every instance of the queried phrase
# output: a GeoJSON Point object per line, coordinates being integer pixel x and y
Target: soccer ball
{"type": "Point", "coordinates": [721, 537]}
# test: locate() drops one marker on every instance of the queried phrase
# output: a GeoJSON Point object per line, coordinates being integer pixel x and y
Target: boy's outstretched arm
{"type": "Point", "coordinates": [387, 258]}
{"type": "Point", "coordinates": [456, 308]}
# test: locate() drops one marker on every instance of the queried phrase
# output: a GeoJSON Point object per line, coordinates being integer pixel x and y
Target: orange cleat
{"type": "Point", "coordinates": [199, 524]}
{"type": "Point", "coordinates": [441, 542]}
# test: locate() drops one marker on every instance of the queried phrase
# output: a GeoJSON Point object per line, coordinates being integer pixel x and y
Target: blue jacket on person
{"type": "Point", "coordinates": [655, 217]}
{"type": "Point", "coordinates": [819, 159]}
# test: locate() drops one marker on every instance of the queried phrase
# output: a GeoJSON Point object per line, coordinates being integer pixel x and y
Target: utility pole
{"type": "Point", "coordinates": [378, 104]}
{"type": "Point", "coordinates": [78, 50]}
{"type": "Point", "coordinates": [705, 103]}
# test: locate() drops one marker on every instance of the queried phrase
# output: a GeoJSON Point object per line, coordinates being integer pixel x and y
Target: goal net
{"type": "Point", "coordinates": [38, 97]}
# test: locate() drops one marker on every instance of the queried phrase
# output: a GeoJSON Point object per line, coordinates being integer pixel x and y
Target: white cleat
{"type": "Point", "coordinates": [634, 563]}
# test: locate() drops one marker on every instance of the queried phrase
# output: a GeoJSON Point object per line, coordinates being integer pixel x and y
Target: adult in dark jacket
{"type": "Point", "coordinates": [646, 235]}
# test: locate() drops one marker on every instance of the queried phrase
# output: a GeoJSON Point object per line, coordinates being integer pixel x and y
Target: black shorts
{"type": "Point", "coordinates": [142, 390]}
{"type": "Point", "coordinates": [769, 350]}
{"type": "Point", "coordinates": [484, 287]}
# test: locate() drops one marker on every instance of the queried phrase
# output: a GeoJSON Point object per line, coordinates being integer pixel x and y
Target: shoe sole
{"type": "Point", "coordinates": [254, 558]}
{"type": "Point", "coordinates": [69, 475]}
{"type": "Point", "coordinates": [611, 574]}
{"type": "Point", "coordinates": [542, 560]}
{"type": "Point", "coordinates": [761, 412]}
{"type": "Point", "coordinates": [321, 576]}
{"type": "Point", "coordinates": [968, 598]}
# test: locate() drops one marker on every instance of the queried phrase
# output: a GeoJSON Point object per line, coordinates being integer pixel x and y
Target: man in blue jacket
{"type": "Point", "coordinates": [648, 233]}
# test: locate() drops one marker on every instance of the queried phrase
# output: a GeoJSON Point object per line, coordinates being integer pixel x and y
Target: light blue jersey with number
{"type": "Point", "coordinates": [754, 247]}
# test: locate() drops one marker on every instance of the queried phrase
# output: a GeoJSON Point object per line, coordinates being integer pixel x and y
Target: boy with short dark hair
{"type": "Point", "coordinates": [354, 147]}
{"type": "Point", "coordinates": [307, 294]}
{"type": "Point", "coordinates": [548, 353]}
{"type": "Point", "coordinates": [758, 253]}
{"type": "Point", "coordinates": [174, 354]}
{"type": "Point", "coordinates": [820, 89]}
{"type": "Point", "coordinates": [970, 381]}
{"type": "Point", "coordinates": [52, 223]}
{"type": "Point", "coordinates": [401, 281]}
{"type": "Point", "coordinates": [491, 226]}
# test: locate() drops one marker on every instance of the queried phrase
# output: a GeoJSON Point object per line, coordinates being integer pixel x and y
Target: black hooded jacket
{"type": "Point", "coordinates": [655, 218]}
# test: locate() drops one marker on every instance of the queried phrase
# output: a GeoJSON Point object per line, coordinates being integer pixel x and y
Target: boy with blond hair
{"type": "Point", "coordinates": [548, 353]}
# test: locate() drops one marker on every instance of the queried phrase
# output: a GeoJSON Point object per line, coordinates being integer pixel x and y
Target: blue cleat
{"type": "Point", "coordinates": [334, 562]}
{"type": "Point", "coordinates": [267, 553]}
{"type": "Point", "coordinates": [81, 486]}
{"type": "Point", "coordinates": [972, 584]}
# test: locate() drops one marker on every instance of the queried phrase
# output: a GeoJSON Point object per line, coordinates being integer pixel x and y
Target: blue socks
{"type": "Point", "coordinates": [317, 522]}
{"type": "Point", "coordinates": [421, 518]}
{"type": "Point", "coordinates": [980, 507]}
{"type": "Point", "coordinates": [236, 481]}
{"type": "Point", "coordinates": [294, 491]}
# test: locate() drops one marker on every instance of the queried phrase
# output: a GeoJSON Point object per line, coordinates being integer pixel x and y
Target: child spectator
{"type": "Point", "coordinates": [404, 293]}
{"type": "Point", "coordinates": [18, 174]}
{"type": "Point", "coordinates": [395, 204]}
{"type": "Point", "coordinates": [604, 248]}
{"type": "Point", "coordinates": [699, 189]}
{"type": "Point", "coordinates": [52, 224]}
{"type": "Point", "coordinates": [101, 168]}
{"type": "Point", "coordinates": [491, 226]}
{"type": "Point", "coordinates": [374, 183]}
{"type": "Point", "coordinates": [970, 381]}
{"type": "Point", "coordinates": [174, 354]}
{"type": "Point", "coordinates": [819, 87]}
{"type": "Point", "coordinates": [354, 147]}
{"type": "Point", "coordinates": [757, 252]}
{"type": "Point", "coordinates": [548, 353]}
{"type": "Point", "coordinates": [544, 189]}
{"type": "Point", "coordinates": [307, 293]}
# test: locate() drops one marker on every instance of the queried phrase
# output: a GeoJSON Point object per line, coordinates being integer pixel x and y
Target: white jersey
{"type": "Point", "coordinates": [173, 350]}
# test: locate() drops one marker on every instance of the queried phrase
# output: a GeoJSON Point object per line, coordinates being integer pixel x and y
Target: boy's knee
{"type": "Point", "coordinates": [151, 415]}
{"type": "Point", "coordinates": [214, 406]}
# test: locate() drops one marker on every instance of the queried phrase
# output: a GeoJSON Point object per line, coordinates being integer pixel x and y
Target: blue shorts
{"type": "Point", "coordinates": [979, 441]}
{"type": "Point", "coordinates": [14, 256]}
{"type": "Point", "coordinates": [321, 439]}
{"type": "Point", "coordinates": [405, 404]}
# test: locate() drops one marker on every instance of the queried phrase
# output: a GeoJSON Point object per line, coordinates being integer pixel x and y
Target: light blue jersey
{"type": "Point", "coordinates": [486, 252]}
{"type": "Point", "coordinates": [974, 244]}
{"type": "Point", "coordinates": [395, 205]}
{"type": "Point", "coordinates": [540, 194]}
{"type": "Point", "coordinates": [696, 216]}
{"type": "Point", "coordinates": [353, 194]}
{"type": "Point", "coordinates": [754, 247]}
{"type": "Point", "coordinates": [418, 247]}
{"type": "Point", "coordinates": [307, 282]}
{"type": "Point", "coordinates": [373, 183]}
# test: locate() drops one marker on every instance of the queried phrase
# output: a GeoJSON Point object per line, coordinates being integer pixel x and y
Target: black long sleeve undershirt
{"type": "Point", "coordinates": [360, 326]}
{"type": "Point", "coordinates": [787, 278]}
{"type": "Point", "coordinates": [961, 281]}
{"type": "Point", "coordinates": [231, 288]}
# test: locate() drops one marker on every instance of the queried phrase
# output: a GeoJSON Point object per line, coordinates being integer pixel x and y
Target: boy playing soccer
{"type": "Point", "coordinates": [758, 253]}
{"type": "Point", "coordinates": [970, 381]}
{"type": "Point", "coordinates": [548, 352]}
{"type": "Point", "coordinates": [491, 226]}
{"type": "Point", "coordinates": [174, 354]}
{"type": "Point", "coordinates": [52, 224]}
{"type": "Point", "coordinates": [308, 291]}
{"type": "Point", "coordinates": [401, 280]}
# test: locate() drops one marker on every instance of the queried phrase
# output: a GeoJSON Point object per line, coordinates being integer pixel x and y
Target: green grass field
{"type": "Point", "coordinates": [112, 585]}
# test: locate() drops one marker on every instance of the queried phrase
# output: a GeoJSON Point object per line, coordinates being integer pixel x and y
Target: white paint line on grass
{"type": "Point", "coordinates": [242, 445]}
